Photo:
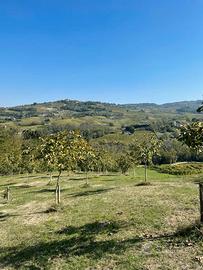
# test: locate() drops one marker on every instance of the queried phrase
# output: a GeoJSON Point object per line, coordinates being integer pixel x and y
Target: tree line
{"type": "Point", "coordinates": [20, 152]}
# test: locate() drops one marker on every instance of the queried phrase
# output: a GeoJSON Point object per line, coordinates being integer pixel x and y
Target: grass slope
{"type": "Point", "coordinates": [112, 224]}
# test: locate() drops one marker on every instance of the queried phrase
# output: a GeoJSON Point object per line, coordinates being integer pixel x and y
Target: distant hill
{"type": "Point", "coordinates": [75, 107]}
{"type": "Point", "coordinates": [177, 107]}
{"type": "Point", "coordinates": [106, 118]}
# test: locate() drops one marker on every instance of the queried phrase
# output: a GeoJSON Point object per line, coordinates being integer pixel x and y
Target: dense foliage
{"type": "Point", "coordinates": [109, 129]}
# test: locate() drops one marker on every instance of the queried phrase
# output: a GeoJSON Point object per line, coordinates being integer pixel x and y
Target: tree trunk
{"type": "Point", "coordinates": [201, 201]}
{"type": "Point", "coordinates": [59, 194]}
{"type": "Point", "coordinates": [58, 191]}
{"type": "Point", "coordinates": [50, 179]}
{"type": "Point", "coordinates": [86, 178]}
{"type": "Point", "coordinates": [145, 171]}
{"type": "Point", "coordinates": [8, 194]}
{"type": "Point", "coordinates": [56, 194]}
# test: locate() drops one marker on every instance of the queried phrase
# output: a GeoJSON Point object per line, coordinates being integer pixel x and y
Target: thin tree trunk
{"type": "Point", "coordinates": [134, 172]}
{"type": "Point", "coordinates": [145, 169]}
{"type": "Point", "coordinates": [201, 201]}
{"type": "Point", "coordinates": [8, 194]}
{"type": "Point", "coordinates": [59, 194]}
{"type": "Point", "coordinates": [56, 194]}
{"type": "Point", "coordinates": [58, 191]}
{"type": "Point", "coordinates": [50, 179]}
{"type": "Point", "coordinates": [86, 178]}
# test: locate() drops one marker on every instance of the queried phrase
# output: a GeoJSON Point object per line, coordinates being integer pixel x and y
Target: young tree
{"type": "Point", "coordinates": [124, 163]}
{"type": "Point", "coordinates": [27, 158]}
{"type": "Point", "coordinates": [144, 150]}
{"type": "Point", "coordinates": [87, 162]}
{"type": "Point", "coordinates": [192, 136]}
{"type": "Point", "coordinates": [63, 151]}
{"type": "Point", "coordinates": [104, 160]}
{"type": "Point", "coordinates": [10, 151]}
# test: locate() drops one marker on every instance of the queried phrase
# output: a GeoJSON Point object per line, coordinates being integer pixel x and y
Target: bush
{"type": "Point", "coordinates": [181, 168]}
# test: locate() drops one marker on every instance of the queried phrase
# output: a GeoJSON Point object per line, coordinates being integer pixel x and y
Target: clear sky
{"type": "Point", "coordinates": [122, 51]}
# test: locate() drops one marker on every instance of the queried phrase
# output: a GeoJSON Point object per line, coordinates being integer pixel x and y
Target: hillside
{"type": "Point", "coordinates": [88, 115]}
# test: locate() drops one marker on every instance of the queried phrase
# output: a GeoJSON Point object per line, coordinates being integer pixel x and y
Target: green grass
{"type": "Point", "coordinates": [111, 224]}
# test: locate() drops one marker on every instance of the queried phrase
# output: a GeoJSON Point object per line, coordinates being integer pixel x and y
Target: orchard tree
{"type": "Point", "coordinates": [87, 162]}
{"type": "Point", "coordinates": [103, 161]}
{"type": "Point", "coordinates": [124, 163]}
{"type": "Point", "coordinates": [10, 151]}
{"type": "Point", "coordinates": [144, 150]}
{"type": "Point", "coordinates": [63, 151]}
{"type": "Point", "coordinates": [101, 155]}
{"type": "Point", "coordinates": [28, 160]}
{"type": "Point", "coordinates": [192, 136]}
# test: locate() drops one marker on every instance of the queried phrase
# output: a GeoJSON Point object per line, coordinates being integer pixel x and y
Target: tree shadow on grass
{"type": "Point", "coordinates": [81, 178]}
{"type": "Point", "coordinates": [95, 228]}
{"type": "Point", "coordinates": [193, 231]}
{"type": "Point", "coordinates": [8, 184]}
{"type": "Point", "coordinates": [110, 174]}
{"type": "Point", "coordinates": [4, 216]}
{"type": "Point", "coordinates": [82, 241]}
{"type": "Point", "coordinates": [91, 192]}
{"type": "Point", "coordinates": [48, 190]}
{"type": "Point", "coordinates": [44, 190]}
{"type": "Point", "coordinates": [108, 180]}
{"type": "Point", "coordinates": [141, 184]}
{"type": "Point", "coordinates": [22, 186]}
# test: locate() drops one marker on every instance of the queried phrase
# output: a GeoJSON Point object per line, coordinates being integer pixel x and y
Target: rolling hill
{"type": "Point", "coordinates": [106, 118]}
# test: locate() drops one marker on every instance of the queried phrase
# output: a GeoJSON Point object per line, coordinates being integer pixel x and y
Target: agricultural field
{"type": "Point", "coordinates": [113, 222]}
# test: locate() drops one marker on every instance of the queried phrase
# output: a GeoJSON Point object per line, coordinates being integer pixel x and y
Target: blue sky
{"type": "Point", "coordinates": [122, 51]}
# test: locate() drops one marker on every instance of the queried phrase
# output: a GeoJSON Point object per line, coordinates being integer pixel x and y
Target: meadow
{"type": "Point", "coordinates": [114, 222]}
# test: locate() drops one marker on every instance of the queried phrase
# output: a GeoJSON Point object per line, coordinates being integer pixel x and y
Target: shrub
{"type": "Point", "coordinates": [181, 168]}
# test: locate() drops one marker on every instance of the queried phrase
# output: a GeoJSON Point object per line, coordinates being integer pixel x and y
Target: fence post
{"type": "Point", "coordinates": [201, 201]}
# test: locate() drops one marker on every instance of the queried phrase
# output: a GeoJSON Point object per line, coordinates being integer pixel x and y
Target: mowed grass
{"type": "Point", "coordinates": [114, 223]}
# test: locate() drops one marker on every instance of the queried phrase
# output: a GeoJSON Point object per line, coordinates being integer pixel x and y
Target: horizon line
{"type": "Point", "coordinates": [96, 101]}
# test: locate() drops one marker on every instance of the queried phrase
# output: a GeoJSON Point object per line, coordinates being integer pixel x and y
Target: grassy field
{"type": "Point", "coordinates": [114, 223]}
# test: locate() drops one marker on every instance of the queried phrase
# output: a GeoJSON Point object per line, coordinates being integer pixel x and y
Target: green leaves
{"type": "Point", "coordinates": [65, 150]}
{"type": "Point", "coordinates": [145, 149]}
{"type": "Point", "coordinates": [192, 135]}
{"type": "Point", "coordinates": [124, 162]}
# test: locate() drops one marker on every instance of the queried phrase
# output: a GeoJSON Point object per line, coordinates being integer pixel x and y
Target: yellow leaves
{"type": "Point", "coordinates": [65, 149]}
{"type": "Point", "coordinates": [192, 135]}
